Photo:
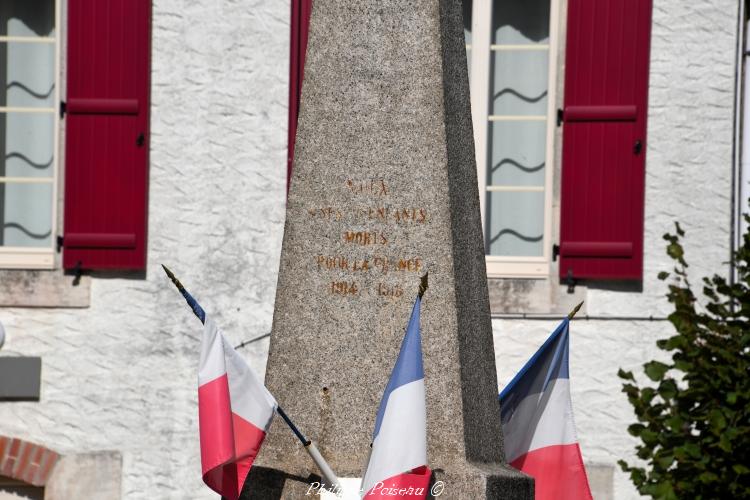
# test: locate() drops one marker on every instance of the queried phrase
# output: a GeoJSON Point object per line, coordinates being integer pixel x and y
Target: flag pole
{"type": "Point", "coordinates": [328, 475]}
{"type": "Point", "coordinates": [575, 310]}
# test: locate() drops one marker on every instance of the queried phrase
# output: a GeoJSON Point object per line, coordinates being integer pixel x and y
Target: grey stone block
{"type": "Point", "coordinates": [92, 476]}
{"type": "Point", "coordinates": [601, 481]}
{"type": "Point", "coordinates": [384, 188]}
{"type": "Point", "coordinates": [25, 288]}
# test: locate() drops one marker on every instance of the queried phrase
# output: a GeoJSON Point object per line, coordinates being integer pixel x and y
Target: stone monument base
{"type": "Point", "coordinates": [466, 482]}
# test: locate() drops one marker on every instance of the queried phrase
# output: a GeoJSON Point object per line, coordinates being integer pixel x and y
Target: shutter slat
{"type": "Point", "coordinates": [600, 113]}
{"type": "Point", "coordinates": [100, 240]}
{"type": "Point", "coordinates": [106, 132]}
{"type": "Point", "coordinates": [604, 139]}
{"type": "Point", "coordinates": [103, 106]}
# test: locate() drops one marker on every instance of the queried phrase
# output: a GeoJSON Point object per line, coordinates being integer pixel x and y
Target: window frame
{"type": "Point", "coordinates": [40, 257]}
{"type": "Point", "coordinates": [480, 51]}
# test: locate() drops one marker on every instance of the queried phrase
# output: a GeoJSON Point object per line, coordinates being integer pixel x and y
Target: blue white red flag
{"type": "Point", "coordinates": [538, 428]}
{"type": "Point", "coordinates": [234, 413]}
{"type": "Point", "coordinates": [398, 463]}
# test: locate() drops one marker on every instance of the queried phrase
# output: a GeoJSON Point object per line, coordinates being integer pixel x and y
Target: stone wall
{"type": "Point", "coordinates": [122, 374]}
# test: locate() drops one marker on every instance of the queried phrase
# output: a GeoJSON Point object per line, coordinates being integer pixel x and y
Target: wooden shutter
{"type": "Point", "coordinates": [106, 134]}
{"type": "Point", "coordinates": [298, 46]}
{"type": "Point", "coordinates": [604, 139]}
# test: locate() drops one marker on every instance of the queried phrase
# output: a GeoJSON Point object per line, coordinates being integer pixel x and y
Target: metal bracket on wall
{"type": "Point", "coordinates": [555, 252]}
{"type": "Point", "coordinates": [63, 108]}
{"type": "Point", "coordinates": [59, 243]}
{"type": "Point", "coordinates": [560, 116]}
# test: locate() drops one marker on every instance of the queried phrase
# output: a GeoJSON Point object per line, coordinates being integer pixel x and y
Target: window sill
{"type": "Point", "coordinates": [519, 296]}
{"type": "Point", "coordinates": [25, 258]}
{"type": "Point", "coordinates": [27, 288]}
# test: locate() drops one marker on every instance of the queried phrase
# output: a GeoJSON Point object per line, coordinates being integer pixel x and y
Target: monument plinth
{"type": "Point", "coordinates": [384, 188]}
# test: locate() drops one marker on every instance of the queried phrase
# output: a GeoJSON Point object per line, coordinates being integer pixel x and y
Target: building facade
{"type": "Point", "coordinates": [174, 148]}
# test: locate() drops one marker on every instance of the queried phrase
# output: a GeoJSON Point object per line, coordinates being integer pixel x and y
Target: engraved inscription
{"type": "Point", "coordinates": [390, 215]}
{"type": "Point", "coordinates": [344, 288]}
{"type": "Point", "coordinates": [369, 187]}
{"type": "Point", "coordinates": [325, 213]}
{"type": "Point", "coordinates": [365, 238]}
{"type": "Point", "coordinates": [368, 248]}
{"type": "Point", "coordinates": [389, 291]}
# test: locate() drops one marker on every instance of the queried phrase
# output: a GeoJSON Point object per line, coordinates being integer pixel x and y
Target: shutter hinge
{"type": "Point", "coordinates": [555, 252]}
{"type": "Point", "coordinates": [560, 116]}
{"type": "Point", "coordinates": [570, 281]}
{"type": "Point", "coordinates": [77, 273]}
{"type": "Point", "coordinates": [63, 108]}
{"type": "Point", "coordinates": [59, 243]}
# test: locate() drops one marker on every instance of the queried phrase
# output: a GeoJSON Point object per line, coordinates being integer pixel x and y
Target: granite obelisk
{"type": "Point", "coordinates": [384, 188]}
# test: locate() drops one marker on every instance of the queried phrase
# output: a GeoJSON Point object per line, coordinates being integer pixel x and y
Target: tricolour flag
{"type": "Point", "coordinates": [398, 462]}
{"type": "Point", "coordinates": [234, 412]}
{"type": "Point", "coordinates": [537, 416]}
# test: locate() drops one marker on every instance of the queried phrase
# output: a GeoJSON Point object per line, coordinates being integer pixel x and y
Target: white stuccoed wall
{"type": "Point", "coordinates": [689, 172]}
{"type": "Point", "coordinates": [121, 375]}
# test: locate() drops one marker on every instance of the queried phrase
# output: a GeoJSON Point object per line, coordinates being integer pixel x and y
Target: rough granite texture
{"type": "Point", "coordinates": [385, 176]}
{"type": "Point", "coordinates": [121, 375]}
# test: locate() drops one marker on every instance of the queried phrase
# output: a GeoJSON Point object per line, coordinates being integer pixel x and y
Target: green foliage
{"type": "Point", "coordinates": [694, 419]}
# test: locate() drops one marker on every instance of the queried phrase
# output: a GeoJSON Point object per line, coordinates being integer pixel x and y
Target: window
{"type": "Point", "coordinates": [29, 55]}
{"type": "Point", "coordinates": [106, 133]}
{"type": "Point", "coordinates": [511, 48]}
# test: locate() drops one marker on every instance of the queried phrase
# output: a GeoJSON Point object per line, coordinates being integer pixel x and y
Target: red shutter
{"type": "Point", "coordinates": [604, 139]}
{"type": "Point", "coordinates": [300, 22]}
{"type": "Point", "coordinates": [106, 134]}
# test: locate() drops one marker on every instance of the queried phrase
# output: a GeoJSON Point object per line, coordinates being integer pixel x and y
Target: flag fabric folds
{"type": "Point", "coordinates": [398, 462]}
{"type": "Point", "coordinates": [538, 428]}
{"type": "Point", "coordinates": [234, 412]}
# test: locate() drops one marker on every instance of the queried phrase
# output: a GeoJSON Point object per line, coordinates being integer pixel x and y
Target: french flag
{"type": "Point", "coordinates": [398, 462]}
{"type": "Point", "coordinates": [537, 418]}
{"type": "Point", "coordinates": [234, 412]}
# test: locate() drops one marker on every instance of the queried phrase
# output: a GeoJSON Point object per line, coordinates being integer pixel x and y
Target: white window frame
{"type": "Point", "coordinates": [29, 257]}
{"type": "Point", "coordinates": [480, 51]}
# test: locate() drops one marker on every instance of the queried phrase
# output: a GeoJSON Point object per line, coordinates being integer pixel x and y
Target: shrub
{"type": "Point", "coordinates": [694, 420]}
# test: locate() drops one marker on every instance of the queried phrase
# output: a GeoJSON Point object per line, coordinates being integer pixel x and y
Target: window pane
{"type": "Point", "coordinates": [517, 153]}
{"type": "Point", "coordinates": [520, 21]}
{"type": "Point", "coordinates": [28, 75]}
{"type": "Point", "coordinates": [516, 223]}
{"type": "Point", "coordinates": [26, 144]}
{"type": "Point", "coordinates": [467, 8]}
{"type": "Point", "coordinates": [26, 214]}
{"type": "Point", "coordinates": [518, 82]}
{"type": "Point", "coordinates": [27, 18]}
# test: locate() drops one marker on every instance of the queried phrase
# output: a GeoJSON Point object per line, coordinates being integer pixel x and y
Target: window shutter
{"type": "Point", "coordinates": [300, 22]}
{"type": "Point", "coordinates": [604, 139]}
{"type": "Point", "coordinates": [106, 134]}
